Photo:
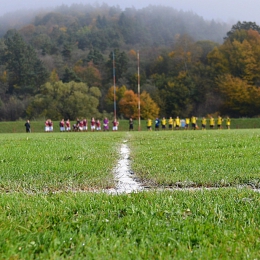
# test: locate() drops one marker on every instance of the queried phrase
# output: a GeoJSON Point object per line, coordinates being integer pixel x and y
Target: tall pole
{"type": "Point", "coordinates": [138, 76]}
{"type": "Point", "coordinates": [114, 78]}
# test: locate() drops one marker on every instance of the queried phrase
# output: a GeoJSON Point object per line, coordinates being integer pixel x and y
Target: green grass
{"type": "Point", "coordinates": [47, 211]}
{"type": "Point", "coordinates": [58, 161]}
{"type": "Point", "coordinates": [197, 158]}
{"type": "Point", "coordinates": [219, 224]}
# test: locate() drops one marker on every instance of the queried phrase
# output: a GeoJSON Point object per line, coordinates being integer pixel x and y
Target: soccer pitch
{"type": "Point", "coordinates": [54, 203]}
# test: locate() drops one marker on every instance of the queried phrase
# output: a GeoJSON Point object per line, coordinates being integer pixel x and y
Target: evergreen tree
{"type": "Point", "coordinates": [26, 73]}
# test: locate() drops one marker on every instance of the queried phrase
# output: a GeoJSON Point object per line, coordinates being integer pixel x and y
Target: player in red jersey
{"type": "Point", "coordinates": [98, 125]}
{"type": "Point", "coordinates": [115, 125]}
{"type": "Point", "coordinates": [85, 124]}
{"type": "Point", "coordinates": [50, 125]}
{"type": "Point", "coordinates": [62, 125]}
{"type": "Point", "coordinates": [93, 124]}
{"type": "Point", "coordinates": [81, 124]}
{"type": "Point", "coordinates": [68, 125]}
{"type": "Point", "coordinates": [47, 129]}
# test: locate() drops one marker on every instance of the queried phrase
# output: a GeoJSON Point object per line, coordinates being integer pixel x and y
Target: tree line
{"type": "Point", "coordinates": [61, 65]}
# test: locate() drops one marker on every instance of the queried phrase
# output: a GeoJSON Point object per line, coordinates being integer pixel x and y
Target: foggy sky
{"type": "Point", "coordinates": [223, 10]}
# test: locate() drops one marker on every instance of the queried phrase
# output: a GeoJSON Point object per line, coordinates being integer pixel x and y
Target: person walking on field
{"type": "Point", "coordinates": [27, 126]}
{"type": "Point", "coordinates": [211, 122]}
{"type": "Point", "coordinates": [228, 122]}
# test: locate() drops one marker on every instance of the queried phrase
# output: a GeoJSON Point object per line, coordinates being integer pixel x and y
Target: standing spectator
{"type": "Point", "coordinates": [115, 125]}
{"type": "Point", "coordinates": [170, 123]}
{"type": "Point", "coordinates": [131, 124]}
{"type": "Point", "coordinates": [219, 122]}
{"type": "Point", "coordinates": [62, 125]}
{"type": "Point", "coordinates": [27, 126]}
{"type": "Point", "coordinates": [211, 122]}
{"type": "Point", "coordinates": [228, 122]}
{"type": "Point", "coordinates": [68, 129]}
{"type": "Point", "coordinates": [92, 124]}
{"type": "Point", "coordinates": [203, 123]}
{"type": "Point", "coordinates": [106, 124]}
{"type": "Point", "coordinates": [157, 124]}
{"type": "Point", "coordinates": [163, 122]}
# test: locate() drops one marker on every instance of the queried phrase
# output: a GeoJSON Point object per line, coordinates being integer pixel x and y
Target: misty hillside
{"type": "Point", "coordinates": [153, 25]}
{"type": "Point", "coordinates": [188, 66]}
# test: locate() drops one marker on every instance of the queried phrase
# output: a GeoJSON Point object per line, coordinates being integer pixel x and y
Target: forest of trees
{"type": "Point", "coordinates": [62, 63]}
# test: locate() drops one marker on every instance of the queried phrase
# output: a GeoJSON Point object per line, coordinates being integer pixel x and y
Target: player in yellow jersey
{"type": "Point", "coordinates": [170, 123]}
{"type": "Point", "coordinates": [219, 122]}
{"type": "Point", "coordinates": [163, 123]}
{"type": "Point", "coordinates": [228, 122]}
{"type": "Point", "coordinates": [194, 122]}
{"type": "Point", "coordinates": [178, 123]}
{"type": "Point", "coordinates": [211, 122]}
{"type": "Point", "coordinates": [149, 124]}
{"type": "Point", "coordinates": [203, 123]}
{"type": "Point", "coordinates": [187, 123]}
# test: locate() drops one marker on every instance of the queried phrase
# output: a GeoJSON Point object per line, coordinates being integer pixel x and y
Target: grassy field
{"type": "Point", "coordinates": [38, 126]}
{"type": "Point", "coordinates": [197, 158]}
{"type": "Point", "coordinates": [54, 161]}
{"type": "Point", "coordinates": [219, 224]}
{"type": "Point", "coordinates": [47, 211]}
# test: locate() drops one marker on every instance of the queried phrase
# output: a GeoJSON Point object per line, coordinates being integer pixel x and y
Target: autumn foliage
{"type": "Point", "coordinates": [129, 105]}
{"type": "Point", "coordinates": [181, 73]}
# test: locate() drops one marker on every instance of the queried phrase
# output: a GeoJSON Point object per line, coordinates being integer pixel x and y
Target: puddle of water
{"type": "Point", "coordinates": [123, 174]}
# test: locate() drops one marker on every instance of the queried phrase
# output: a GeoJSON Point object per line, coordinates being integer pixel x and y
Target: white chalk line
{"type": "Point", "coordinates": [124, 177]}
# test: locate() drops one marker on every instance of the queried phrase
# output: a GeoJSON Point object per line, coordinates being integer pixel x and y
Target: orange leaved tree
{"type": "Point", "coordinates": [128, 105]}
